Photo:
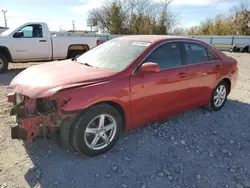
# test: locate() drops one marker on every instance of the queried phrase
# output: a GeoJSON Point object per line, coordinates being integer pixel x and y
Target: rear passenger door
{"type": "Point", "coordinates": [203, 68]}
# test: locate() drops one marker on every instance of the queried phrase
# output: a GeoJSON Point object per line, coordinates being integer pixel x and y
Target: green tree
{"type": "Point", "coordinates": [115, 19]}
{"type": "Point", "coordinates": [161, 26]}
{"type": "Point", "coordinates": [237, 23]}
{"type": "Point", "coordinates": [134, 17]}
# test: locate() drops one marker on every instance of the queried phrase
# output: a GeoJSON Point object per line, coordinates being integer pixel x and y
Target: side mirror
{"type": "Point", "coordinates": [18, 34]}
{"type": "Point", "coordinates": [149, 67]}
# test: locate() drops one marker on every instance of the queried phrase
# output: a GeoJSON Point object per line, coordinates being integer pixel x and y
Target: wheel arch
{"type": "Point", "coordinates": [228, 82]}
{"type": "Point", "coordinates": [119, 108]}
{"type": "Point", "coordinates": [5, 51]}
{"type": "Point", "coordinates": [74, 47]}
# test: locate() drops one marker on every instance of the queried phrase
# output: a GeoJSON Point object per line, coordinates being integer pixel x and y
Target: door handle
{"type": "Point", "coordinates": [217, 67]}
{"type": "Point", "coordinates": [182, 75]}
{"type": "Point", "coordinates": [42, 40]}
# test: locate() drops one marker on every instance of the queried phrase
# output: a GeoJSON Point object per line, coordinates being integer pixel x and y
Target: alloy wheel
{"type": "Point", "coordinates": [100, 132]}
{"type": "Point", "coordinates": [220, 96]}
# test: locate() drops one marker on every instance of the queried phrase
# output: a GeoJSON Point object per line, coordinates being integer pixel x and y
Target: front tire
{"type": "Point", "coordinates": [3, 63]}
{"type": "Point", "coordinates": [96, 130]}
{"type": "Point", "coordinates": [219, 96]}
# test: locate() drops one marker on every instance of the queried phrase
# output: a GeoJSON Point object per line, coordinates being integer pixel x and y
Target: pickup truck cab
{"type": "Point", "coordinates": [34, 42]}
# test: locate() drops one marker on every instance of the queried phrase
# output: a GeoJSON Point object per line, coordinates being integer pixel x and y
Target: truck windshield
{"type": "Point", "coordinates": [116, 54]}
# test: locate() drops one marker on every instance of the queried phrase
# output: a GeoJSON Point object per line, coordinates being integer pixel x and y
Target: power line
{"type": "Point", "coordinates": [4, 15]}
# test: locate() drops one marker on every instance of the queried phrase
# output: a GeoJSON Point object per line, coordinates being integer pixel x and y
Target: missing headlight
{"type": "Point", "coordinates": [19, 98]}
{"type": "Point", "coordinates": [45, 105]}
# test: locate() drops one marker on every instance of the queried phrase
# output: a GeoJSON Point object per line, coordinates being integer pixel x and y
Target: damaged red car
{"type": "Point", "coordinates": [88, 101]}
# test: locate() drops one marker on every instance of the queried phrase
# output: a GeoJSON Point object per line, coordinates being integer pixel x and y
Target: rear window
{"type": "Point", "coordinates": [195, 53]}
{"type": "Point", "coordinates": [211, 56]}
{"type": "Point", "coordinates": [217, 51]}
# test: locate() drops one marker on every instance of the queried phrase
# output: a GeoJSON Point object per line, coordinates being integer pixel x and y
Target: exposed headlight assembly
{"type": "Point", "coordinates": [19, 98]}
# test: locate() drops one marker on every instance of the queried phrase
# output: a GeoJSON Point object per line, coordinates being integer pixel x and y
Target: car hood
{"type": "Point", "coordinates": [3, 40]}
{"type": "Point", "coordinates": [46, 79]}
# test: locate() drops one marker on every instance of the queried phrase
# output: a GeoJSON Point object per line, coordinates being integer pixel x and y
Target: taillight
{"type": "Point", "coordinates": [98, 42]}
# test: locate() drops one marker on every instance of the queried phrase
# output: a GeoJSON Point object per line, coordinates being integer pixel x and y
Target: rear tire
{"type": "Point", "coordinates": [3, 63]}
{"type": "Point", "coordinates": [90, 136]}
{"type": "Point", "coordinates": [219, 96]}
{"type": "Point", "coordinates": [74, 53]}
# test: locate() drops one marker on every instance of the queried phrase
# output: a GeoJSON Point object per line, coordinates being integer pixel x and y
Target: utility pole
{"type": "Point", "coordinates": [60, 27]}
{"type": "Point", "coordinates": [73, 24]}
{"type": "Point", "coordinates": [4, 15]}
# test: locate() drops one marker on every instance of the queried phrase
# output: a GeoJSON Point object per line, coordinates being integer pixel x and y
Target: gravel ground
{"type": "Point", "coordinates": [194, 149]}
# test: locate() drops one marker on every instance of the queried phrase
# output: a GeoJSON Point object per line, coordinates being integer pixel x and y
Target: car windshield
{"type": "Point", "coordinates": [114, 55]}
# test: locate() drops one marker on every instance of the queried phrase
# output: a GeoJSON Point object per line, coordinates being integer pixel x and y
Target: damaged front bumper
{"type": "Point", "coordinates": [33, 118]}
{"type": "Point", "coordinates": [18, 133]}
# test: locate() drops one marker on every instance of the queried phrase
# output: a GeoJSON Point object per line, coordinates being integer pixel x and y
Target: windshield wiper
{"type": "Point", "coordinates": [87, 64]}
{"type": "Point", "coordinates": [75, 58]}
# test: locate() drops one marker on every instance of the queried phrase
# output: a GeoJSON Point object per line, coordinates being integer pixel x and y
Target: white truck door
{"type": "Point", "coordinates": [30, 43]}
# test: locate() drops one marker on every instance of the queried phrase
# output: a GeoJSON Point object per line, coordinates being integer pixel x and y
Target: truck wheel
{"type": "Point", "coordinates": [96, 130]}
{"type": "Point", "coordinates": [76, 50]}
{"type": "Point", "coordinates": [3, 63]}
{"type": "Point", "coordinates": [74, 53]}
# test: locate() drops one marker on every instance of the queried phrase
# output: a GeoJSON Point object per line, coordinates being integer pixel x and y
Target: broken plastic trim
{"type": "Point", "coordinates": [69, 112]}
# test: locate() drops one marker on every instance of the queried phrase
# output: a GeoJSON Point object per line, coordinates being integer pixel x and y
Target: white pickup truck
{"type": "Point", "coordinates": [34, 42]}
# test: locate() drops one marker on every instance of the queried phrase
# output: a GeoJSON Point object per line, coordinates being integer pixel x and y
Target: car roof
{"type": "Point", "coordinates": [151, 38]}
{"type": "Point", "coordinates": [160, 38]}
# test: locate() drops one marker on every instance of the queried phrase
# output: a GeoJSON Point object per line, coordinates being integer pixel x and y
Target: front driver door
{"type": "Point", "coordinates": [33, 45]}
{"type": "Point", "coordinates": [158, 95]}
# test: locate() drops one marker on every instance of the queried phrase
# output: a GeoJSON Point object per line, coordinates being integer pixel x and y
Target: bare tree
{"type": "Point", "coordinates": [135, 17]}
{"type": "Point", "coordinates": [241, 19]}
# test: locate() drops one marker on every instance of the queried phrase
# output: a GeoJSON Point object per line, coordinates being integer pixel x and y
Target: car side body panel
{"type": "Point", "coordinates": [201, 80]}
{"type": "Point", "coordinates": [80, 98]}
{"type": "Point", "coordinates": [154, 96]}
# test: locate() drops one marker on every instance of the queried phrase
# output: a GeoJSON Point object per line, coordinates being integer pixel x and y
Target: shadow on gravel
{"type": "Point", "coordinates": [6, 77]}
{"type": "Point", "coordinates": [194, 149]}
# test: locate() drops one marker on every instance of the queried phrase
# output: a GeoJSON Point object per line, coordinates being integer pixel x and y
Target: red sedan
{"type": "Point", "coordinates": [120, 85]}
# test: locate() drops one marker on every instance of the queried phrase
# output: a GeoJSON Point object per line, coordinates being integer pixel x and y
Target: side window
{"type": "Point", "coordinates": [30, 31]}
{"type": "Point", "coordinates": [195, 53]}
{"type": "Point", "coordinates": [167, 55]}
{"type": "Point", "coordinates": [211, 56]}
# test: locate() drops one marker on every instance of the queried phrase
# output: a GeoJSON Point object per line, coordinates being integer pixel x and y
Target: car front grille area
{"type": "Point", "coordinates": [26, 107]}
{"type": "Point", "coordinates": [45, 105]}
